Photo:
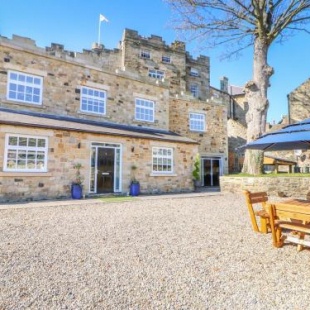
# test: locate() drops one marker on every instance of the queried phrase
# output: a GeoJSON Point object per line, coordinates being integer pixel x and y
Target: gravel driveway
{"type": "Point", "coordinates": [165, 253]}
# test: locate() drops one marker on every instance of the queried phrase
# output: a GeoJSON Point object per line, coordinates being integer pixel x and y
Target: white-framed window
{"type": "Point", "coordinates": [25, 153]}
{"type": "Point", "coordinates": [144, 110]}
{"type": "Point", "coordinates": [166, 59]}
{"type": "Point", "coordinates": [197, 122]}
{"type": "Point", "coordinates": [194, 89]}
{"type": "Point", "coordinates": [93, 100]}
{"type": "Point", "coordinates": [145, 54]}
{"type": "Point", "coordinates": [24, 87]}
{"type": "Point", "coordinates": [162, 160]}
{"type": "Point", "coordinates": [157, 74]}
{"type": "Point", "coordinates": [194, 72]}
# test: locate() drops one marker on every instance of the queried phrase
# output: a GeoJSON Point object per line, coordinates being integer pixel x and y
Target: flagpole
{"type": "Point", "coordinates": [101, 18]}
{"type": "Point", "coordinates": [99, 32]}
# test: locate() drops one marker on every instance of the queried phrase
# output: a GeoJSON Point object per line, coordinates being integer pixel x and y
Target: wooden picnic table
{"type": "Point", "coordinates": [293, 216]}
{"type": "Point", "coordinates": [294, 202]}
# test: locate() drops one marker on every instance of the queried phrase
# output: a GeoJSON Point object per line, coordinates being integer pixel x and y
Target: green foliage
{"type": "Point", "coordinates": [78, 176]}
{"type": "Point", "coordinates": [196, 170]}
{"type": "Point", "coordinates": [133, 178]}
{"type": "Point", "coordinates": [270, 175]}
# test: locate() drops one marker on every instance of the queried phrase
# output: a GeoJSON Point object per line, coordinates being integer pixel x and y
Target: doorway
{"type": "Point", "coordinates": [211, 171]}
{"type": "Point", "coordinates": [105, 168]}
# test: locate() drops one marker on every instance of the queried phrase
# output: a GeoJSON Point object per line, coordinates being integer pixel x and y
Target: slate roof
{"type": "Point", "coordinates": [41, 120]}
{"type": "Point", "coordinates": [236, 90]}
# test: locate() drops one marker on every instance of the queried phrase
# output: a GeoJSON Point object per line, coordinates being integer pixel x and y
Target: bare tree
{"type": "Point", "coordinates": [239, 24]}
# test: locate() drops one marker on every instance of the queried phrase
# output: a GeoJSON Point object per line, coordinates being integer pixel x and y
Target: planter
{"type": "Point", "coordinates": [197, 184]}
{"type": "Point", "coordinates": [134, 189]}
{"type": "Point", "coordinates": [76, 191]}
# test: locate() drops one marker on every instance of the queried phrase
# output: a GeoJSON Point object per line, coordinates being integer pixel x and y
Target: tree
{"type": "Point", "coordinates": [239, 24]}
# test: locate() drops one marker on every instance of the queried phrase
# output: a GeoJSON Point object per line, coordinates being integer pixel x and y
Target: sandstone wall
{"type": "Point", "coordinates": [214, 139]}
{"type": "Point", "coordinates": [65, 148]}
{"type": "Point", "coordinates": [299, 103]}
{"type": "Point", "coordinates": [64, 78]}
{"type": "Point", "coordinates": [297, 187]}
{"type": "Point", "coordinates": [124, 75]}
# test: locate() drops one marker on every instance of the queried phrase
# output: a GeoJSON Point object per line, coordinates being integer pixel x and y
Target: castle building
{"type": "Point", "coordinates": [145, 104]}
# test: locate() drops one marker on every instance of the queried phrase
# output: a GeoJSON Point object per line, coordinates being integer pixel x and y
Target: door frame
{"type": "Point", "coordinates": [103, 155]}
{"type": "Point", "coordinates": [117, 183]}
{"type": "Point", "coordinates": [221, 167]}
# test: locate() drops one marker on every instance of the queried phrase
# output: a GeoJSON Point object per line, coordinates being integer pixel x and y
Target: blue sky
{"type": "Point", "coordinates": [74, 23]}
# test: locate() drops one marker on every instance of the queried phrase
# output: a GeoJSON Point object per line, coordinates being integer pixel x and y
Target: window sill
{"type": "Point", "coordinates": [25, 174]}
{"type": "Point", "coordinates": [91, 113]}
{"type": "Point", "coordinates": [20, 103]}
{"type": "Point", "coordinates": [198, 131]}
{"type": "Point", "coordinates": [163, 175]}
{"type": "Point", "coordinates": [143, 121]}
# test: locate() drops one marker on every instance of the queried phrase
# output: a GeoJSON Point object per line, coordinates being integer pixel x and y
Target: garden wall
{"type": "Point", "coordinates": [290, 186]}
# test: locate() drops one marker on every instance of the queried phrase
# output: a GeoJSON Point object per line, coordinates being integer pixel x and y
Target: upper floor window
{"type": "Point", "coordinates": [166, 59]}
{"type": "Point", "coordinates": [25, 153]}
{"type": "Point", "coordinates": [24, 87]}
{"type": "Point", "coordinates": [157, 74]}
{"type": "Point", "coordinates": [162, 160]}
{"type": "Point", "coordinates": [194, 72]}
{"type": "Point", "coordinates": [197, 122]}
{"type": "Point", "coordinates": [194, 89]}
{"type": "Point", "coordinates": [93, 100]}
{"type": "Point", "coordinates": [145, 54]}
{"type": "Point", "coordinates": [144, 110]}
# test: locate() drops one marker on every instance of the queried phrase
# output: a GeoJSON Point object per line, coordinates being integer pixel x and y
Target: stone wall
{"type": "Point", "coordinates": [63, 80]}
{"type": "Point", "coordinates": [237, 131]}
{"type": "Point", "coordinates": [214, 139]}
{"type": "Point", "coordinates": [299, 103]}
{"type": "Point", "coordinates": [202, 79]}
{"type": "Point", "coordinates": [124, 75]}
{"type": "Point", "coordinates": [175, 71]}
{"type": "Point", "coordinates": [65, 148]}
{"type": "Point", "coordinates": [296, 186]}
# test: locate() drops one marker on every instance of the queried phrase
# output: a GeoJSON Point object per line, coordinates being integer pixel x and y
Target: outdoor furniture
{"type": "Point", "coordinates": [290, 220]}
{"type": "Point", "coordinates": [253, 199]}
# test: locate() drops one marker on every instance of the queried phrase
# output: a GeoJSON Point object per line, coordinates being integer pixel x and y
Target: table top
{"type": "Point", "coordinates": [297, 202]}
{"type": "Point", "coordinates": [292, 202]}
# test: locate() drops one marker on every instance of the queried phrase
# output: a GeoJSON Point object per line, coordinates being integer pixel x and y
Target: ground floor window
{"type": "Point", "coordinates": [25, 153]}
{"type": "Point", "coordinates": [162, 160]}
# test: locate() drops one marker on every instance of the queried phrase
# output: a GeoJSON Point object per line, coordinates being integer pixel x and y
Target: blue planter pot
{"type": "Point", "coordinates": [134, 189]}
{"type": "Point", "coordinates": [76, 191]}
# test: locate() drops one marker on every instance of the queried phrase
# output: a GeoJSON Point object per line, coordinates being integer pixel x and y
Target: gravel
{"type": "Point", "coordinates": [175, 252]}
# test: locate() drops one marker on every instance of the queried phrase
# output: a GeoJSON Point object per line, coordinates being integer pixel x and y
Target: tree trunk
{"type": "Point", "coordinates": [256, 97]}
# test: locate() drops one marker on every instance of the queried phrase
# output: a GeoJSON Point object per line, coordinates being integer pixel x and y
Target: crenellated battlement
{"type": "Point", "coordinates": [98, 51]}
{"type": "Point", "coordinates": [136, 56]}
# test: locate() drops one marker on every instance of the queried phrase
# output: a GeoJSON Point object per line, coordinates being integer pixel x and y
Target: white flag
{"type": "Point", "coordinates": [102, 18]}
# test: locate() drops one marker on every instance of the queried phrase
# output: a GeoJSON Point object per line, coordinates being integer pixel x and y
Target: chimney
{"type": "Point", "coordinates": [224, 84]}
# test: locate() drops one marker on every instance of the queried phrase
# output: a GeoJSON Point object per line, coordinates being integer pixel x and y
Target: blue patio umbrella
{"type": "Point", "coordinates": [291, 137]}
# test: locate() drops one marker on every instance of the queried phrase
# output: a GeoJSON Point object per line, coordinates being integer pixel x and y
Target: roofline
{"type": "Point", "coordinates": [281, 159]}
{"type": "Point", "coordinates": [128, 131]}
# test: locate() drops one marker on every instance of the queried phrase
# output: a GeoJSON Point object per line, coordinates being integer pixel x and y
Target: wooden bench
{"type": "Point", "coordinates": [260, 198]}
{"type": "Point", "coordinates": [290, 221]}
